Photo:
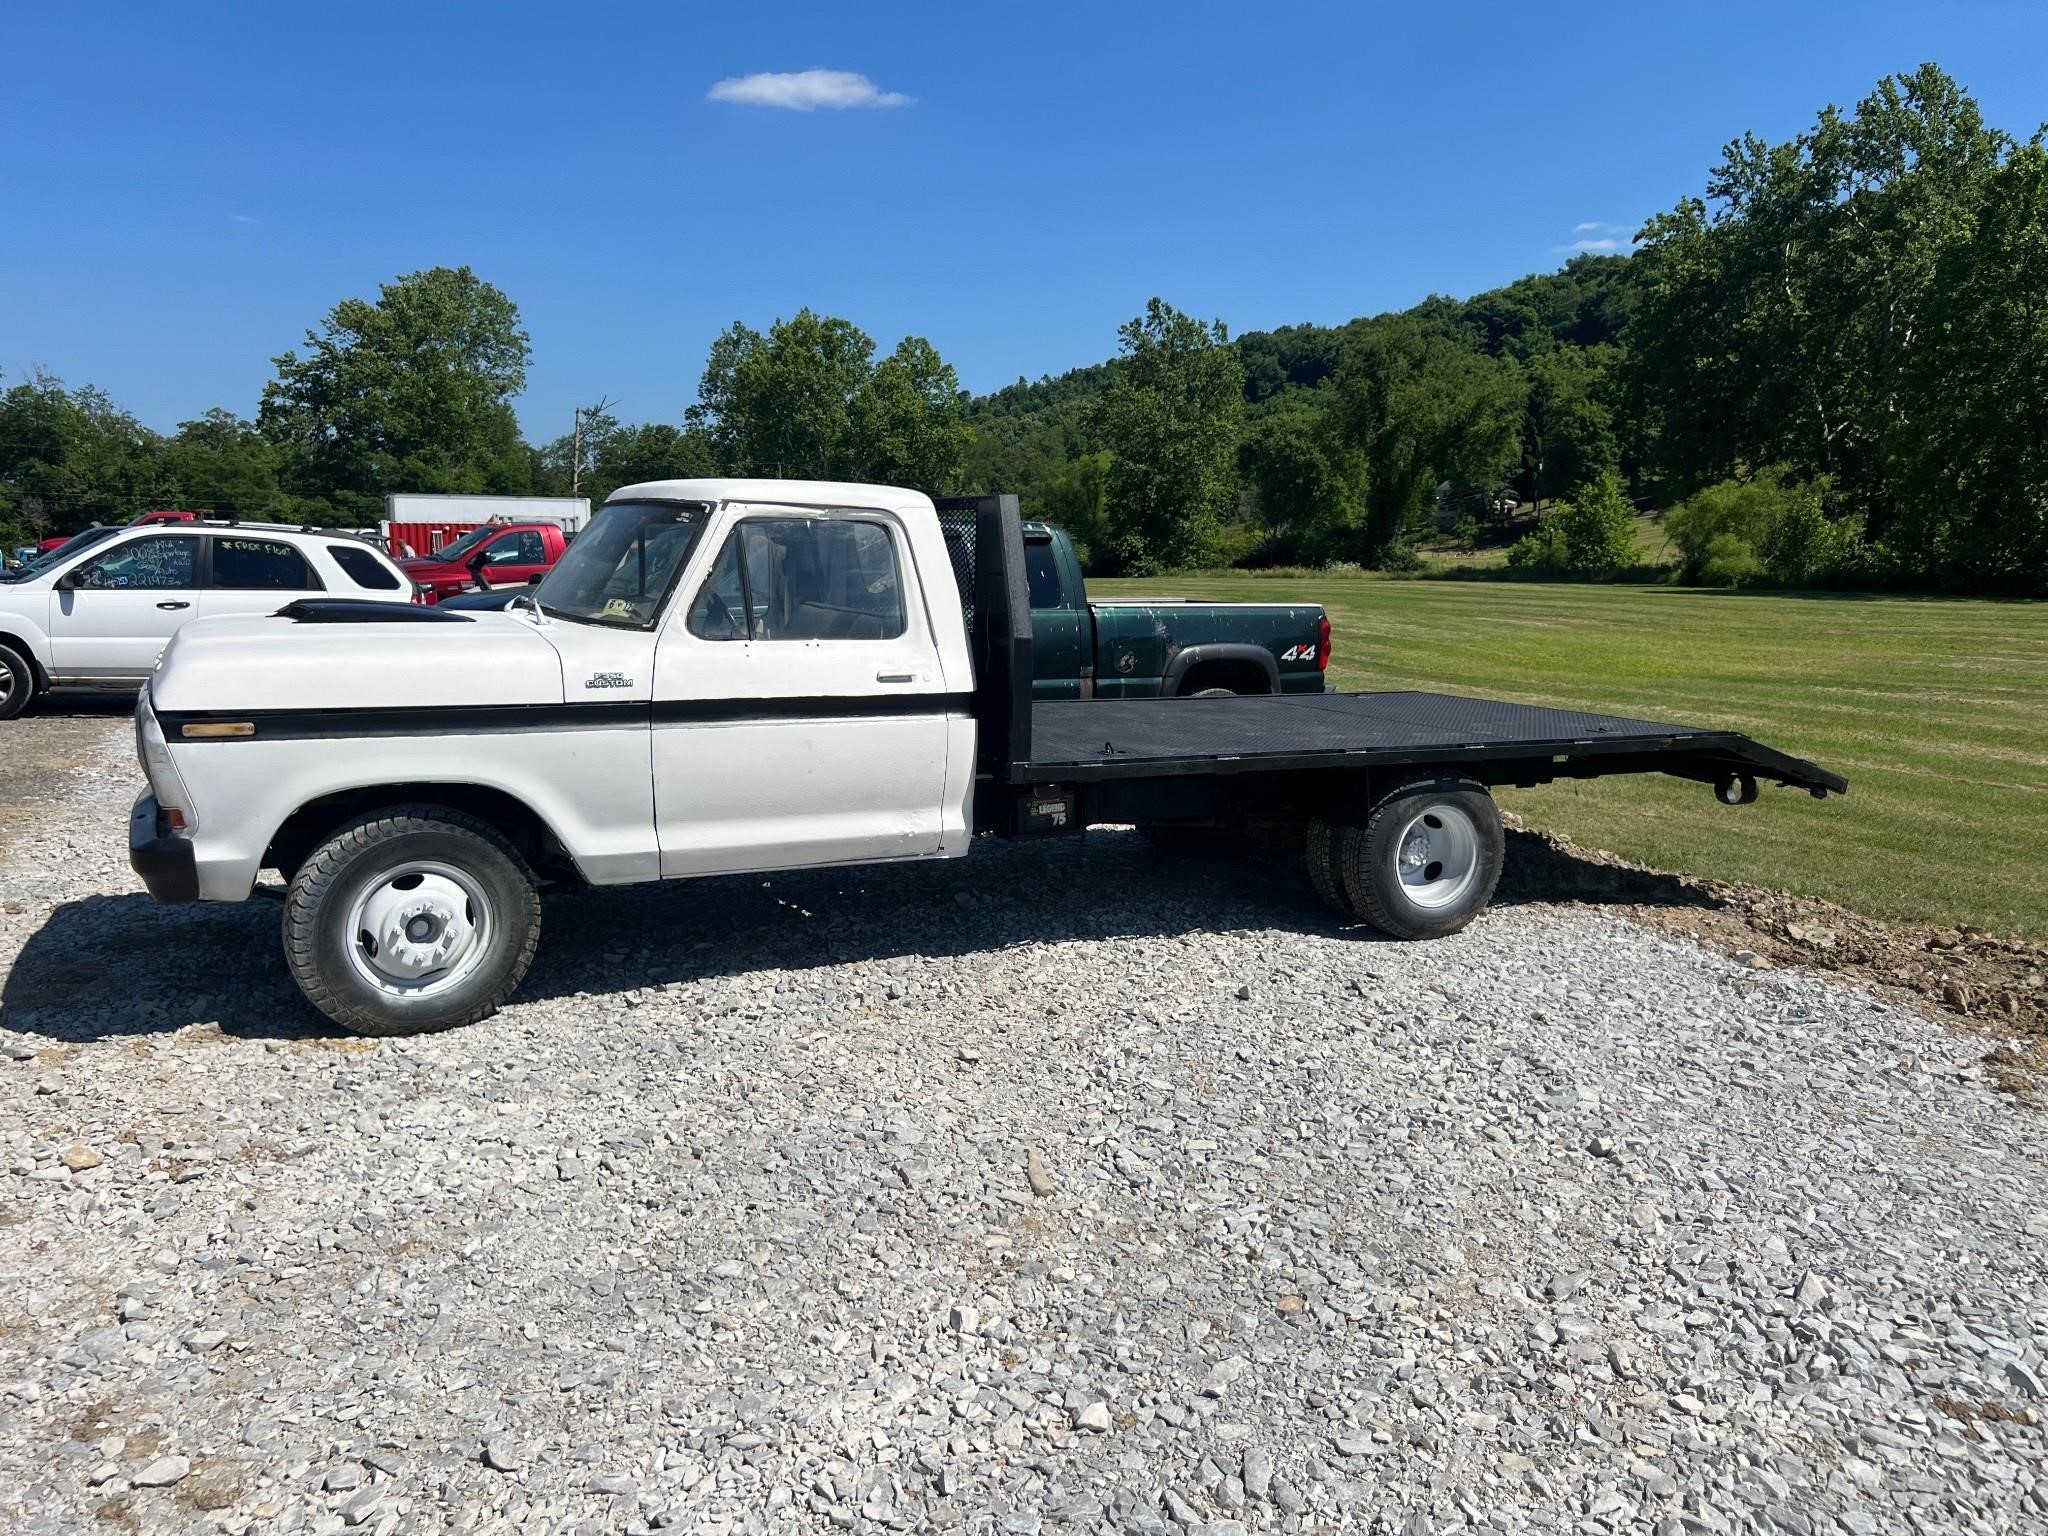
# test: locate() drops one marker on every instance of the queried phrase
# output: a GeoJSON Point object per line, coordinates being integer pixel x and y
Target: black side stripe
{"type": "Point", "coordinates": [518, 719]}
{"type": "Point", "coordinates": [864, 707]}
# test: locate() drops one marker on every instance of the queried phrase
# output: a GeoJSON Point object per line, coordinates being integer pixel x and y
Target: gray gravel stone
{"type": "Point", "coordinates": [162, 1472]}
{"type": "Point", "coordinates": [361, 1506]}
{"type": "Point", "coordinates": [1258, 1474]}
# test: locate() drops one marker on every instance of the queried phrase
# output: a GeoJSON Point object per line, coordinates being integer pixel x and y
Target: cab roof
{"type": "Point", "coordinates": [796, 493]}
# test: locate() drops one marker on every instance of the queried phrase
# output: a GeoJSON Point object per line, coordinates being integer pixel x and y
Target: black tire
{"type": "Point", "coordinates": [1325, 869]}
{"type": "Point", "coordinates": [17, 682]}
{"type": "Point", "coordinates": [342, 871]}
{"type": "Point", "coordinates": [1211, 693]}
{"type": "Point", "coordinates": [1454, 818]}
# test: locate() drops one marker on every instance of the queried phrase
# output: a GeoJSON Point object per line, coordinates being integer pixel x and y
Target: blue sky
{"type": "Point", "coordinates": [187, 188]}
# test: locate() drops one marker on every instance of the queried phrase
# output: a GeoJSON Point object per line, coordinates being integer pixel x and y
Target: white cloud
{"type": "Point", "coordinates": [1598, 235]}
{"type": "Point", "coordinates": [806, 90]}
{"type": "Point", "coordinates": [242, 218]}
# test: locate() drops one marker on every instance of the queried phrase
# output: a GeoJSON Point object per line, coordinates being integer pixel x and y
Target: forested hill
{"type": "Point", "coordinates": [1551, 341]}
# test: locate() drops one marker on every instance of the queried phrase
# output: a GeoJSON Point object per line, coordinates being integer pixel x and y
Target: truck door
{"type": "Point", "coordinates": [513, 559]}
{"type": "Point", "coordinates": [1061, 644]}
{"type": "Point", "coordinates": [800, 709]}
{"type": "Point", "coordinates": [113, 613]}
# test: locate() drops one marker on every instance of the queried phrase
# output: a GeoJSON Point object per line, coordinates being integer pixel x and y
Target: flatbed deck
{"type": "Point", "coordinates": [1076, 762]}
{"type": "Point", "coordinates": [1095, 739]}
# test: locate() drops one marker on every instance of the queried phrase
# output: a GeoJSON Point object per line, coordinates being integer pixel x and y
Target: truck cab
{"type": "Point", "coordinates": [1152, 647]}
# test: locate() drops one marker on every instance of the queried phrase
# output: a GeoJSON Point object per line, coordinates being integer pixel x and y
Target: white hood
{"type": "Point", "coordinates": [261, 663]}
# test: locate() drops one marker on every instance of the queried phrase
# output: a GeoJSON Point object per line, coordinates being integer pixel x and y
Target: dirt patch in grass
{"type": "Point", "coordinates": [1974, 981]}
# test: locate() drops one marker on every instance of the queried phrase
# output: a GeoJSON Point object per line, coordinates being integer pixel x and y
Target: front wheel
{"type": "Point", "coordinates": [17, 682]}
{"type": "Point", "coordinates": [1427, 858]}
{"type": "Point", "coordinates": [411, 920]}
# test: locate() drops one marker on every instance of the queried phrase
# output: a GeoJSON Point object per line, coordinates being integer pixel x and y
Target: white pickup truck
{"type": "Point", "coordinates": [727, 676]}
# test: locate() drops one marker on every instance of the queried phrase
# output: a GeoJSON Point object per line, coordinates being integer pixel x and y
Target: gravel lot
{"type": "Point", "coordinates": [1062, 1189]}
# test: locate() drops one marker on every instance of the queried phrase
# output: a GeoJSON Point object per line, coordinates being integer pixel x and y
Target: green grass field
{"type": "Point", "coordinates": [1935, 710]}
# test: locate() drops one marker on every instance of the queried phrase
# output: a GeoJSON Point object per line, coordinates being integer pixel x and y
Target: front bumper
{"type": "Point", "coordinates": [166, 862]}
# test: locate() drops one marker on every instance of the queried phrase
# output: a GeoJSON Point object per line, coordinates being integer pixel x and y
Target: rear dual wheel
{"type": "Point", "coordinates": [1421, 865]}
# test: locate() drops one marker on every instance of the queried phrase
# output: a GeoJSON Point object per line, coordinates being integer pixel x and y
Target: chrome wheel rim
{"type": "Point", "coordinates": [420, 929]}
{"type": "Point", "coordinates": [1436, 856]}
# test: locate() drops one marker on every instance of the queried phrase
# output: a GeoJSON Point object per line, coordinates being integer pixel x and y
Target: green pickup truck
{"type": "Point", "coordinates": [1143, 648]}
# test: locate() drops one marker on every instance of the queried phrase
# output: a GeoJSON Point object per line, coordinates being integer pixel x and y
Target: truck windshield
{"type": "Point", "coordinates": [620, 569]}
{"type": "Point", "coordinates": [461, 549]}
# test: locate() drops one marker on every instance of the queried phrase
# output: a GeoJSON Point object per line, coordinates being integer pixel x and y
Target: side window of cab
{"type": "Point", "coordinates": [1042, 571]}
{"type": "Point", "coordinates": [803, 578]}
{"type": "Point", "coordinates": [521, 548]}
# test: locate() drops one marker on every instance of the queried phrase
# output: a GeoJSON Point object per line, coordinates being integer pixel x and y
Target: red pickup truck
{"type": "Point", "coordinates": [495, 555]}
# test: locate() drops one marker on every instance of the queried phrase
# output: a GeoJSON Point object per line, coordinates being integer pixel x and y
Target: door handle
{"type": "Point", "coordinates": [174, 605]}
{"type": "Point", "coordinates": [895, 677]}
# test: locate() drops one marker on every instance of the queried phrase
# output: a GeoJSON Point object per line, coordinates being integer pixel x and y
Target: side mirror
{"type": "Point", "coordinates": [477, 562]}
{"type": "Point", "coordinates": [536, 578]}
{"type": "Point", "coordinates": [68, 582]}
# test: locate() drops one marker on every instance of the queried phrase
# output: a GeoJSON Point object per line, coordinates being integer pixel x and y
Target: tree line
{"type": "Point", "coordinates": [1831, 366]}
{"type": "Point", "coordinates": [412, 392]}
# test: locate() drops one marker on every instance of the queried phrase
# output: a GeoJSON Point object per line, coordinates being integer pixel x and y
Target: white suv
{"type": "Point", "coordinates": [97, 612]}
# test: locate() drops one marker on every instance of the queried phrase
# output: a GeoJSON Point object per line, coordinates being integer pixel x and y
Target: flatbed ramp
{"type": "Point", "coordinates": [1089, 739]}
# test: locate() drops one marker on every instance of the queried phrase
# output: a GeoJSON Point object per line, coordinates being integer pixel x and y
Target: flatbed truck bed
{"type": "Point", "coordinates": [1497, 741]}
{"type": "Point", "coordinates": [1290, 755]}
